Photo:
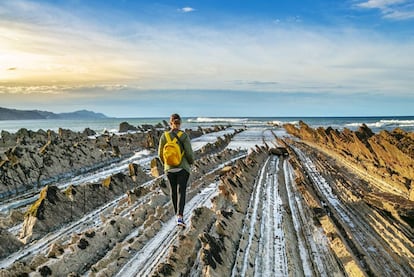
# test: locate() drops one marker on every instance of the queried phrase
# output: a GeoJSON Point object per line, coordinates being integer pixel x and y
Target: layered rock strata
{"type": "Point", "coordinates": [35, 159]}
{"type": "Point", "coordinates": [359, 232]}
{"type": "Point", "coordinates": [214, 234]}
{"type": "Point", "coordinates": [55, 207]}
{"type": "Point", "coordinates": [31, 160]}
{"type": "Point", "coordinates": [388, 155]}
{"type": "Point", "coordinates": [103, 249]}
{"type": "Point", "coordinates": [8, 243]}
{"type": "Point", "coordinates": [385, 159]}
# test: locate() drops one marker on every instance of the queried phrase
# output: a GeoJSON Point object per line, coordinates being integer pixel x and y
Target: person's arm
{"type": "Point", "coordinates": [188, 150]}
{"type": "Point", "coordinates": [161, 148]}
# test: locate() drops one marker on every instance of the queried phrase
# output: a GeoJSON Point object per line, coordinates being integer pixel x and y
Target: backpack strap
{"type": "Point", "coordinates": [176, 136]}
{"type": "Point", "coordinates": [168, 136]}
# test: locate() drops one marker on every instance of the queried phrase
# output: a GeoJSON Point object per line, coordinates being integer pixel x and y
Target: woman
{"type": "Point", "coordinates": [177, 175]}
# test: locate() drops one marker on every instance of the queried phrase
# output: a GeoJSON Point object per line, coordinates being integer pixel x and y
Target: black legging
{"type": "Point", "coordinates": [178, 184]}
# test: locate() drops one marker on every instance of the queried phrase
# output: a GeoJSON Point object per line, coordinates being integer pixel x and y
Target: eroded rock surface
{"type": "Point", "coordinates": [389, 155]}
{"type": "Point", "coordinates": [8, 243]}
{"type": "Point", "coordinates": [55, 207]}
{"type": "Point", "coordinates": [288, 210]}
{"type": "Point", "coordinates": [31, 160]}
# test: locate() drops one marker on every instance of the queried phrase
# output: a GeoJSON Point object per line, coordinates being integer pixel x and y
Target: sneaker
{"type": "Point", "coordinates": [180, 222]}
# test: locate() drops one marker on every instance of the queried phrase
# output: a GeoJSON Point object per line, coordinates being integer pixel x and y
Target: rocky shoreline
{"type": "Point", "coordinates": [30, 160]}
{"type": "Point", "coordinates": [301, 207]}
{"type": "Point", "coordinates": [388, 156]}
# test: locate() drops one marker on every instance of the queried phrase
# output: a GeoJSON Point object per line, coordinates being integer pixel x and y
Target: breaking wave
{"type": "Point", "coordinates": [217, 119]}
{"type": "Point", "coordinates": [383, 123]}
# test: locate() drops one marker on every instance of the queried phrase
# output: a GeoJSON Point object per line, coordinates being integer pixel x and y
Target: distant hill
{"type": "Point", "coordinates": [13, 114]}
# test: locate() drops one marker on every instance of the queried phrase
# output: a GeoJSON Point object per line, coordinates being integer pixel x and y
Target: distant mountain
{"type": "Point", "coordinates": [13, 114]}
{"type": "Point", "coordinates": [82, 114]}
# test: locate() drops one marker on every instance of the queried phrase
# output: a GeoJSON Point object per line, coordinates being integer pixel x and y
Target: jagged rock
{"type": "Point", "coordinates": [8, 243]}
{"type": "Point", "coordinates": [136, 193]}
{"type": "Point", "coordinates": [88, 132]}
{"type": "Point", "coordinates": [279, 151]}
{"type": "Point", "coordinates": [35, 159]}
{"type": "Point", "coordinates": [125, 127]}
{"type": "Point", "coordinates": [157, 168]}
{"type": "Point", "coordinates": [55, 207]}
{"type": "Point", "coordinates": [55, 250]}
{"type": "Point", "coordinates": [13, 218]}
{"type": "Point", "coordinates": [212, 250]}
{"type": "Point", "coordinates": [86, 248]}
{"type": "Point", "coordinates": [47, 157]}
{"type": "Point", "coordinates": [45, 214]}
{"type": "Point", "coordinates": [137, 173]}
{"type": "Point", "coordinates": [387, 155]}
{"type": "Point", "coordinates": [147, 127]}
{"type": "Point", "coordinates": [394, 204]}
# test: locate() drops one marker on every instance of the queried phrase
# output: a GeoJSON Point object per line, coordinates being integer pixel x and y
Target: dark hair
{"type": "Point", "coordinates": [175, 117]}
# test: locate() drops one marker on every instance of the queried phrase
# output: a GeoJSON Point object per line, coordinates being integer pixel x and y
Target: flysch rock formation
{"type": "Point", "coordinates": [296, 209]}
{"type": "Point", "coordinates": [389, 156]}
{"type": "Point", "coordinates": [30, 160]}
{"type": "Point", "coordinates": [34, 159]}
{"type": "Point", "coordinates": [69, 153]}
{"type": "Point", "coordinates": [55, 207]}
{"type": "Point", "coordinates": [360, 234]}
{"type": "Point", "coordinates": [214, 235]}
{"type": "Point", "coordinates": [103, 249]}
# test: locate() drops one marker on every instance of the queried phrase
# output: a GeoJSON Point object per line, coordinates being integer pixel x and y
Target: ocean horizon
{"type": "Point", "coordinates": [111, 124]}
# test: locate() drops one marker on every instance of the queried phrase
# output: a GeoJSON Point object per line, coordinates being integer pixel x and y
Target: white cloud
{"type": "Point", "coordinates": [380, 4]}
{"type": "Point", "coordinates": [391, 9]}
{"type": "Point", "coordinates": [279, 58]}
{"type": "Point", "coordinates": [399, 14]}
{"type": "Point", "coordinates": [187, 9]}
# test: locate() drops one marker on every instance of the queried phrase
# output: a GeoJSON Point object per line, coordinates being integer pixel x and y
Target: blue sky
{"type": "Point", "coordinates": [209, 58]}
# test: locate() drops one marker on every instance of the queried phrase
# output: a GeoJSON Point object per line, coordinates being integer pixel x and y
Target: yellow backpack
{"type": "Point", "coordinates": [172, 154]}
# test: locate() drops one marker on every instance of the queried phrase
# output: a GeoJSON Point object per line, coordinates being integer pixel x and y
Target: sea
{"type": "Point", "coordinates": [376, 124]}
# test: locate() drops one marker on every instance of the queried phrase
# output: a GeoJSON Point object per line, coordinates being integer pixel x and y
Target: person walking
{"type": "Point", "coordinates": [179, 174]}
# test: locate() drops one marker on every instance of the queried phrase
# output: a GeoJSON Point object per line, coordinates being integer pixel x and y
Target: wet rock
{"type": "Point", "coordinates": [8, 243]}
{"type": "Point", "coordinates": [55, 207]}
{"type": "Point", "coordinates": [12, 219]}
{"type": "Point", "coordinates": [157, 168]}
{"type": "Point", "coordinates": [35, 159]}
{"type": "Point", "coordinates": [86, 250]}
{"type": "Point", "coordinates": [185, 253]}
{"type": "Point", "coordinates": [45, 214]}
{"type": "Point", "coordinates": [38, 158]}
{"type": "Point", "coordinates": [55, 250]}
{"type": "Point", "coordinates": [147, 127]}
{"type": "Point", "coordinates": [394, 204]}
{"type": "Point", "coordinates": [83, 243]}
{"type": "Point", "coordinates": [388, 156]}
{"type": "Point", "coordinates": [278, 151]}
{"type": "Point", "coordinates": [92, 245]}
{"type": "Point", "coordinates": [212, 249]}
{"type": "Point", "coordinates": [88, 132]}
{"type": "Point", "coordinates": [45, 271]}
{"type": "Point", "coordinates": [136, 193]}
{"type": "Point", "coordinates": [125, 127]}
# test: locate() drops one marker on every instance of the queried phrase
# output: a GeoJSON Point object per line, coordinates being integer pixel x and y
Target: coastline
{"type": "Point", "coordinates": [230, 185]}
{"type": "Point", "coordinates": [112, 124]}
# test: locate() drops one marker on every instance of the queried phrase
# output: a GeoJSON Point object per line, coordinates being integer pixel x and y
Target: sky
{"type": "Point", "coordinates": [134, 58]}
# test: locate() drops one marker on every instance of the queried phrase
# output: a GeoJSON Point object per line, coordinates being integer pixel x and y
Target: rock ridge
{"type": "Point", "coordinates": [387, 155]}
